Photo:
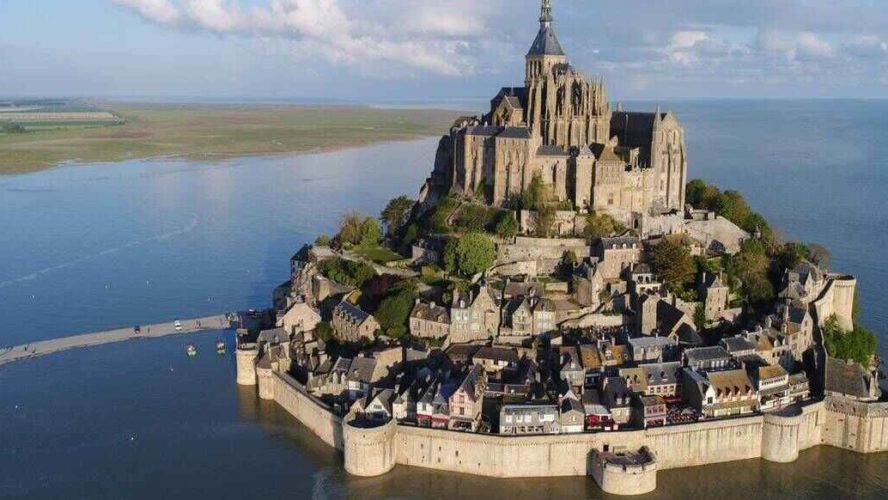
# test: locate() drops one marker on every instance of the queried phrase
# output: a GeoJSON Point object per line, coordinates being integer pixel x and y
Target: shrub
{"type": "Point", "coordinates": [857, 345]}
{"type": "Point", "coordinates": [346, 272]}
{"type": "Point", "coordinates": [469, 255]}
{"type": "Point", "coordinates": [507, 227]}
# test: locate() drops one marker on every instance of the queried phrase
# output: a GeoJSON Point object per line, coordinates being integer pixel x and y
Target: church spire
{"type": "Point", "coordinates": [546, 14]}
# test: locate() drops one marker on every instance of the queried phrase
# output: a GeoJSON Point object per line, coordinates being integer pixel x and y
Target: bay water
{"type": "Point", "coordinates": [91, 247]}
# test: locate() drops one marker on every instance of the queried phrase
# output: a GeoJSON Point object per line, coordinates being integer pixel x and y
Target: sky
{"type": "Point", "coordinates": [437, 50]}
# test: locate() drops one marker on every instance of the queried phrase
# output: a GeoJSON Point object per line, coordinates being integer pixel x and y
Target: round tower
{"type": "Point", "coordinates": [265, 379]}
{"type": "Point", "coordinates": [246, 355]}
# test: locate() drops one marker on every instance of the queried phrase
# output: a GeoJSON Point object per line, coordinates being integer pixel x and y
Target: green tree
{"type": "Point", "coordinates": [673, 263]}
{"type": "Point", "coordinates": [819, 255]}
{"type": "Point", "coordinates": [507, 227]}
{"type": "Point", "coordinates": [601, 226]}
{"type": "Point", "coordinates": [322, 241]}
{"type": "Point", "coordinates": [545, 221]}
{"type": "Point", "coordinates": [733, 207]}
{"type": "Point", "coordinates": [751, 267]}
{"type": "Point", "coordinates": [700, 317]}
{"type": "Point", "coordinates": [694, 192]}
{"type": "Point", "coordinates": [791, 255]}
{"type": "Point", "coordinates": [396, 212]}
{"type": "Point", "coordinates": [857, 345]}
{"type": "Point", "coordinates": [469, 255]}
{"type": "Point", "coordinates": [370, 233]}
{"type": "Point", "coordinates": [324, 331]}
{"type": "Point", "coordinates": [394, 313]}
{"type": "Point", "coordinates": [346, 272]}
{"type": "Point", "coordinates": [536, 194]}
{"type": "Point", "coordinates": [350, 228]}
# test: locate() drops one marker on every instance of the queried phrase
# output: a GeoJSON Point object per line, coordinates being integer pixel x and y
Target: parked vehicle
{"type": "Point", "coordinates": [178, 325]}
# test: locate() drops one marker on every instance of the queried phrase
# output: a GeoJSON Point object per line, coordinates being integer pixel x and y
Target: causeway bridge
{"type": "Point", "coordinates": [44, 347]}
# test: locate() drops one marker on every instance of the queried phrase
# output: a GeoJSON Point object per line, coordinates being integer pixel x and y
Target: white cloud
{"type": "Point", "coordinates": [866, 47]}
{"type": "Point", "coordinates": [421, 35]}
{"type": "Point", "coordinates": [159, 11]}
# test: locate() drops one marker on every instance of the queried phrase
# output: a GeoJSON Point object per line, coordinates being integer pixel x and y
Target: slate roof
{"type": "Point", "coordinates": [634, 130]}
{"type": "Point", "coordinates": [619, 241]}
{"type": "Point", "coordinates": [706, 354]}
{"type": "Point", "coordinates": [438, 314]}
{"type": "Point", "coordinates": [604, 152]}
{"type": "Point", "coordinates": [274, 336]}
{"type": "Point", "coordinates": [737, 344]}
{"type": "Point", "coordinates": [546, 43]}
{"type": "Point", "coordinates": [497, 354]}
{"type": "Point", "coordinates": [846, 378]}
{"type": "Point", "coordinates": [640, 342]}
{"type": "Point", "coordinates": [353, 312]}
{"type": "Point", "coordinates": [548, 150]}
{"type": "Point", "coordinates": [362, 369]}
{"type": "Point", "coordinates": [487, 131]}
{"type": "Point", "coordinates": [517, 96]}
{"type": "Point", "coordinates": [515, 133]}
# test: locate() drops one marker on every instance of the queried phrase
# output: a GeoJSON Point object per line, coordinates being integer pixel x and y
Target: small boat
{"type": "Point", "coordinates": [177, 325]}
{"type": "Point", "coordinates": [220, 347]}
{"type": "Point", "coordinates": [191, 350]}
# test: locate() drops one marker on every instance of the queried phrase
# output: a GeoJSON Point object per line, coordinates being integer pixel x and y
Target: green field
{"type": "Point", "coordinates": [209, 132]}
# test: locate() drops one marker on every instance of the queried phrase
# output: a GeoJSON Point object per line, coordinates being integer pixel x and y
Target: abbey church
{"type": "Point", "coordinates": [560, 126]}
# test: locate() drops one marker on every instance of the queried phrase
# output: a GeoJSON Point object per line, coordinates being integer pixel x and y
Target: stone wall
{"type": "Point", "coordinates": [543, 456]}
{"type": "Point", "coordinates": [369, 451]}
{"type": "Point", "coordinates": [860, 427]}
{"type": "Point", "coordinates": [372, 451]}
{"type": "Point", "coordinates": [312, 413]}
{"type": "Point", "coordinates": [837, 299]}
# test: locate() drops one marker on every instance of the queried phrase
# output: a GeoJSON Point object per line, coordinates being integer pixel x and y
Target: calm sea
{"type": "Point", "coordinates": [91, 247]}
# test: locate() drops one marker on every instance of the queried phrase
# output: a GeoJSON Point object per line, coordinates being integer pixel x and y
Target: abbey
{"type": "Point", "coordinates": [559, 126]}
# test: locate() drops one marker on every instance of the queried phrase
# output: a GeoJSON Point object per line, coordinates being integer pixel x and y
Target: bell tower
{"type": "Point", "coordinates": [546, 51]}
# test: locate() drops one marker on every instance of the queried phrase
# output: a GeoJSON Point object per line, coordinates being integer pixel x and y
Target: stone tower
{"type": "Point", "coordinates": [563, 107]}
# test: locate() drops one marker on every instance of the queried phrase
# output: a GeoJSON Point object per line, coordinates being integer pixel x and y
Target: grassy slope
{"type": "Point", "coordinates": [208, 132]}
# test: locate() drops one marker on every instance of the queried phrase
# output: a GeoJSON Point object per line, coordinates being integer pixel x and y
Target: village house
{"type": "Point", "coordinates": [618, 400]}
{"type": "Point", "coordinates": [715, 295]}
{"type": "Point", "coordinates": [474, 316]}
{"type": "Point", "coordinates": [299, 318]}
{"type": "Point", "coordinates": [352, 324]}
{"type": "Point", "coordinates": [653, 349]}
{"type": "Point", "coordinates": [467, 401]}
{"type": "Point", "coordinates": [772, 384]}
{"type": "Point", "coordinates": [571, 368]}
{"type": "Point", "coordinates": [738, 347]}
{"type": "Point", "coordinates": [495, 360]}
{"type": "Point", "coordinates": [429, 321]}
{"type": "Point", "coordinates": [616, 255]}
{"type": "Point", "coordinates": [425, 404]}
{"type": "Point", "coordinates": [649, 411]}
{"type": "Point", "coordinates": [377, 407]}
{"type": "Point", "coordinates": [573, 416]}
{"type": "Point", "coordinates": [362, 374]}
{"type": "Point", "coordinates": [708, 358]}
{"type": "Point", "coordinates": [597, 415]}
{"type": "Point", "coordinates": [720, 394]}
{"type": "Point", "coordinates": [528, 419]}
{"type": "Point", "coordinates": [850, 380]}
{"type": "Point", "coordinates": [657, 379]}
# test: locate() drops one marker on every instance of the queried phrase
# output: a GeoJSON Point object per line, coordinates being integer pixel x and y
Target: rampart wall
{"type": "Point", "coordinates": [780, 437]}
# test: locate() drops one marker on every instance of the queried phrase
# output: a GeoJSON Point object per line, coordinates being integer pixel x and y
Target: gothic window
{"type": "Point", "coordinates": [577, 98]}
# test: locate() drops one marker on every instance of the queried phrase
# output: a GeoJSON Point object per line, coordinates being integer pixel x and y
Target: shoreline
{"type": "Point", "coordinates": [221, 157]}
{"type": "Point", "coordinates": [204, 132]}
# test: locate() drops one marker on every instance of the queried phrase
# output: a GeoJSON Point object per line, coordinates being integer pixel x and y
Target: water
{"type": "Point", "coordinates": [88, 248]}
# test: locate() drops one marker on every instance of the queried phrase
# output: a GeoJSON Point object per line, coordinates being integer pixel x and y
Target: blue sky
{"type": "Point", "coordinates": [434, 50]}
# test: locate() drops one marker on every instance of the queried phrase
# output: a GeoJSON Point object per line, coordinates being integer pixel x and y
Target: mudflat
{"type": "Point", "coordinates": [207, 132]}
